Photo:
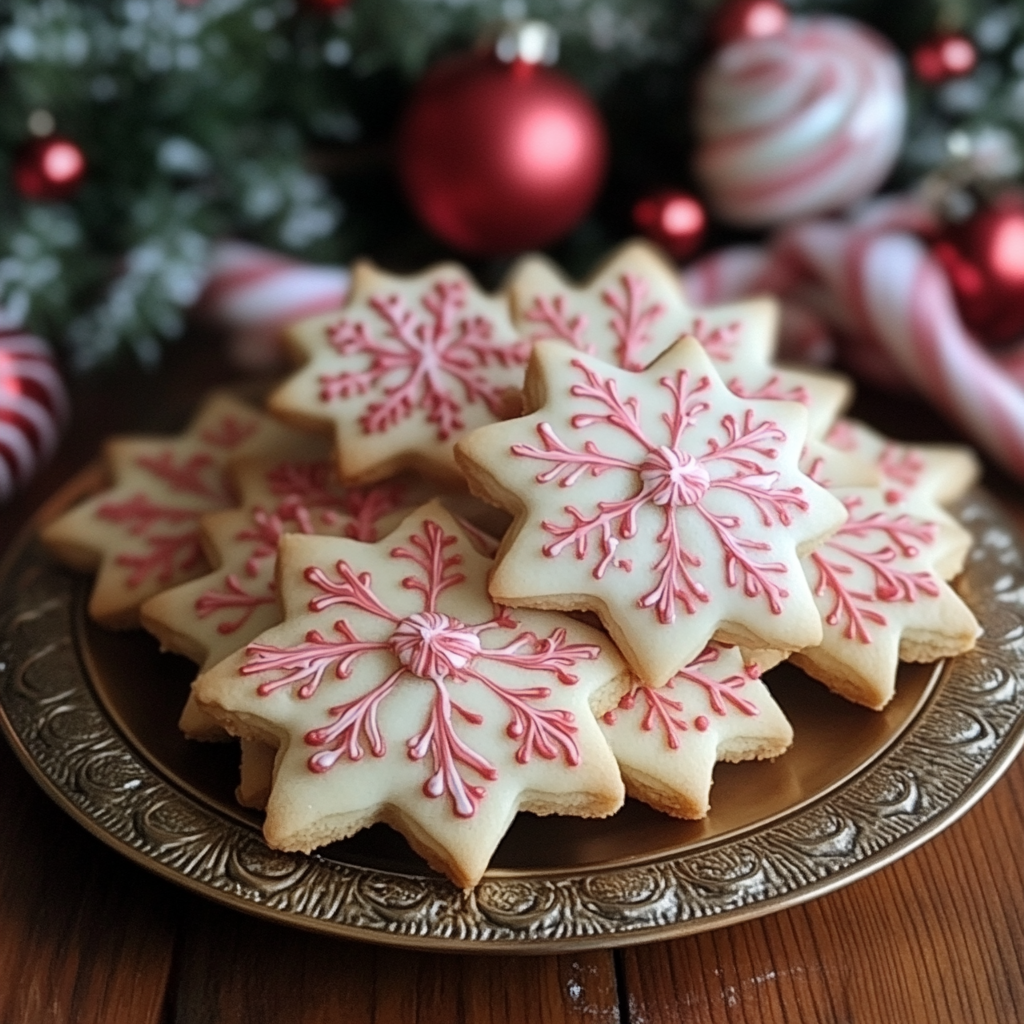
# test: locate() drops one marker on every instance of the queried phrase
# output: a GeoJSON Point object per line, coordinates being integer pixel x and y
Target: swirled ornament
{"type": "Point", "coordinates": [33, 408]}
{"type": "Point", "coordinates": [802, 122]}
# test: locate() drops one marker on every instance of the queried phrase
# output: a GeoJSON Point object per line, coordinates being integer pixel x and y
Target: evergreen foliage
{"type": "Point", "coordinates": [261, 119]}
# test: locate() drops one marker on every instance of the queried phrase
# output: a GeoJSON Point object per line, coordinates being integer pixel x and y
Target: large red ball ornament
{"type": "Point", "coordinates": [498, 157]}
{"type": "Point", "coordinates": [747, 19]}
{"type": "Point", "coordinates": [674, 220]}
{"type": "Point", "coordinates": [50, 168]}
{"type": "Point", "coordinates": [984, 259]}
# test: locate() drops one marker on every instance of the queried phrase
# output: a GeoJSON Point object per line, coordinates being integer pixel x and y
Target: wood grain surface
{"type": "Point", "coordinates": [235, 969]}
{"type": "Point", "coordinates": [86, 936]}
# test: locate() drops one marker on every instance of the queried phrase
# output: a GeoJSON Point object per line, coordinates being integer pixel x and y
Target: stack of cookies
{"type": "Point", "coordinates": [530, 551]}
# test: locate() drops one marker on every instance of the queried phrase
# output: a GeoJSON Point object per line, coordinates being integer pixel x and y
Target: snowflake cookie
{"type": "Point", "coordinates": [941, 472]}
{"type": "Point", "coordinates": [633, 308]}
{"type": "Point", "coordinates": [397, 691]}
{"type": "Point", "coordinates": [142, 532]}
{"type": "Point", "coordinates": [881, 599]}
{"type": "Point", "coordinates": [403, 370]}
{"type": "Point", "coordinates": [660, 500]}
{"type": "Point", "coordinates": [668, 740]}
{"type": "Point", "coordinates": [925, 475]}
{"type": "Point", "coordinates": [211, 617]}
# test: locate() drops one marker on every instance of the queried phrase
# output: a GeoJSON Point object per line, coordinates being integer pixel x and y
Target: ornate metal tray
{"type": "Point", "coordinates": [92, 715]}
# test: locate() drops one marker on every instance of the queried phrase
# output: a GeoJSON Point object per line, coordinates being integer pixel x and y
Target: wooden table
{"type": "Point", "coordinates": [86, 936]}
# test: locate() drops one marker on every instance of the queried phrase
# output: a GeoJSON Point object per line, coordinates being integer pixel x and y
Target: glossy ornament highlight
{"type": "Point", "coordinates": [497, 155]}
{"type": "Point", "coordinates": [672, 219]}
{"type": "Point", "coordinates": [747, 19]}
{"type": "Point", "coordinates": [944, 56]}
{"type": "Point", "coordinates": [49, 169]}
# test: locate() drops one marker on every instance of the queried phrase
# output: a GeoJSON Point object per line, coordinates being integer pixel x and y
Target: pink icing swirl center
{"type": "Point", "coordinates": [674, 478]}
{"type": "Point", "coordinates": [434, 646]}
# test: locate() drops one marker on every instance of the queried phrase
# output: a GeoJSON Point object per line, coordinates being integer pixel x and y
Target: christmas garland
{"type": "Point", "coordinates": [137, 133]}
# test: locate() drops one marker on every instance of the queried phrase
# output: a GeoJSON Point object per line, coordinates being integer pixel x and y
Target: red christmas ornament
{"type": "Point", "coordinates": [49, 168]}
{"type": "Point", "coordinates": [747, 19]}
{"type": "Point", "coordinates": [674, 220]}
{"type": "Point", "coordinates": [944, 56]}
{"type": "Point", "coordinates": [984, 259]}
{"type": "Point", "coordinates": [499, 155]}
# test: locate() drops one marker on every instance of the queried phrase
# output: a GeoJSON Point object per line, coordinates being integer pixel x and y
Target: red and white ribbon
{"type": "Point", "coordinates": [906, 303]}
{"type": "Point", "coordinates": [871, 283]}
{"type": "Point", "coordinates": [33, 407]}
{"type": "Point", "coordinates": [255, 293]}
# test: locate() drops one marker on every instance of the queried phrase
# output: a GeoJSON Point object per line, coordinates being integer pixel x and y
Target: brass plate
{"type": "Point", "coordinates": [92, 715]}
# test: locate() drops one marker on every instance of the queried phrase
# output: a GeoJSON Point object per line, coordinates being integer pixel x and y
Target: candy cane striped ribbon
{"type": "Point", "coordinates": [874, 283]}
{"type": "Point", "coordinates": [254, 293]}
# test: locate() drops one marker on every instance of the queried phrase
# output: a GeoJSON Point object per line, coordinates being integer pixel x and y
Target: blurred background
{"type": "Point", "coordinates": [138, 134]}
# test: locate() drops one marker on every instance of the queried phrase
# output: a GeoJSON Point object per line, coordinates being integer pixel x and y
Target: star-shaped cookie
{"type": "Point", "coordinates": [880, 597]}
{"type": "Point", "coordinates": [397, 691]}
{"type": "Point", "coordinates": [660, 500]}
{"type": "Point", "coordinates": [219, 613]}
{"type": "Point", "coordinates": [404, 370]}
{"type": "Point", "coordinates": [940, 472]}
{"type": "Point", "coordinates": [633, 308]}
{"type": "Point", "coordinates": [141, 534]}
{"type": "Point", "coordinates": [668, 740]}
{"type": "Point", "coordinates": [925, 475]}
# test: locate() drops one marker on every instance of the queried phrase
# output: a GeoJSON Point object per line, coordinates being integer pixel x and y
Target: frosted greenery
{"type": "Point", "coordinates": [261, 119]}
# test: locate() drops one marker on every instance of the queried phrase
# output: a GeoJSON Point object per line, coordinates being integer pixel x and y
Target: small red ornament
{"type": "Point", "coordinates": [943, 56]}
{"type": "Point", "coordinates": [747, 19]}
{"type": "Point", "coordinates": [674, 220]}
{"type": "Point", "coordinates": [499, 155]}
{"type": "Point", "coordinates": [49, 168]}
{"type": "Point", "coordinates": [984, 259]}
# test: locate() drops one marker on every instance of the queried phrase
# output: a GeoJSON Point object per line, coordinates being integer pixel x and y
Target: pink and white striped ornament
{"type": "Point", "coordinates": [801, 122]}
{"type": "Point", "coordinates": [255, 293]}
{"type": "Point", "coordinates": [33, 407]}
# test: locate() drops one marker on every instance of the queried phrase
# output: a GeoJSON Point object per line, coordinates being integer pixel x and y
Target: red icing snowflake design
{"type": "Point", "coordinates": [698, 456]}
{"type": "Point", "coordinates": [666, 713]}
{"type": "Point", "coordinates": [308, 504]}
{"type": "Point", "coordinates": [863, 567]}
{"type": "Point", "coordinates": [170, 531]}
{"type": "Point", "coordinates": [774, 387]}
{"type": "Point", "coordinates": [436, 361]}
{"type": "Point", "coordinates": [230, 432]}
{"type": "Point", "coordinates": [233, 597]}
{"type": "Point", "coordinates": [720, 341]}
{"type": "Point", "coordinates": [167, 552]}
{"type": "Point", "coordinates": [843, 437]}
{"type": "Point", "coordinates": [632, 319]}
{"type": "Point", "coordinates": [902, 466]}
{"type": "Point", "coordinates": [428, 646]}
